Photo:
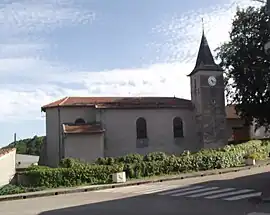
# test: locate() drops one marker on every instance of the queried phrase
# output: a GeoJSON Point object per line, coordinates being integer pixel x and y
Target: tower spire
{"type": "Point", "coordinates": [205, 59]}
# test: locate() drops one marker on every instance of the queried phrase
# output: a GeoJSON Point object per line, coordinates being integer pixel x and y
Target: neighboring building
{"type": "Point", "coordinates": [92, 127]}
{"type": "Point", "coordinates": [24, 161]}
{"type": "Point", "coordinates": [7, 165]}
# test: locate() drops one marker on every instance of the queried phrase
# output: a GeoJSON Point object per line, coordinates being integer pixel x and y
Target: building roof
{"type": "Point", "coordinates": [130, 102]}
{"type": "Point", "coordinates": [5, 151]}
{"type": "Point", "coordinates": [205, 60]}
{"type": "Point", "coordinates": [231, 112]}
{"type": "Point", "coordinates": [82, 129]}
{"type": "Point", "coordinates": [121, 102]}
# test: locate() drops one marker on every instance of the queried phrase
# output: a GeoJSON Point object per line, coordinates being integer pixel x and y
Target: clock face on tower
{"type": "Point", "coordinates": [212, 81]}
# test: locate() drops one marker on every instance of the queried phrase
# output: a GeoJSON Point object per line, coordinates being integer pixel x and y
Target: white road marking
{"type": "Point", "coordinates": [156, 190]}
{"type": "Point", "coordinates": [139, 189]}
{"type": "Point", "coordinates": [258, 213]}
{"type": "Point", "coordinates": [228, 194]}
{"type": "Point", "coordinates": [179, 190]}
{"type": "Point", "coordinates": [211, 192]}
{"type": "Point", "coordinates": [195, 191]}
{"type": "Point", "coordinates": [244, 196]}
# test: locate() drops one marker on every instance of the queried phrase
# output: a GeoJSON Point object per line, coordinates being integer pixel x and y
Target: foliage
{"type": "Point", "coordinates": [72, 172]}
{"type": "Point", "coordinates": [13, 189]}
{"type": "Point", "coordinates": [66, 177]}
{"type": "Point", "coordinates": [30, 146]}
{"type": "Point", "coordinates": [247, 65]}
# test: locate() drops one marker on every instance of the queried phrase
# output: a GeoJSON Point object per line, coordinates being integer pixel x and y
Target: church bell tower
{"type": "Point", "coordinates": [207, 96]}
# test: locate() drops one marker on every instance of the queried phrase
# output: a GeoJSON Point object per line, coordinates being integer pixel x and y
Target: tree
{"type": "Point", "coordinates": [30, 146]}
{"type": "Point", "coordinates": [246, 65]}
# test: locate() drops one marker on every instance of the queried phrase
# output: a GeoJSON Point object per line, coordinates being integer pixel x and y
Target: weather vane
{"type": "Point", "coordinates": [202, 25]}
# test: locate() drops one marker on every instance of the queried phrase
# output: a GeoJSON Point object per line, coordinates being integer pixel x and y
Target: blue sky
{"type": "Point", "coordinates": [50, 49]}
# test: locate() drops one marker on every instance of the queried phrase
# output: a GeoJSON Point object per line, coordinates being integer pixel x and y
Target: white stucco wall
{"type": "Point", "coordinates": [24, 161]}
{"type": "Point", "coordinates": [120, 127]}
{"type": "Point", "coordinates": [120, 130]}
{"type": "Point", "coordinates": [7, 167]}
{"type": "Point", "coordinates": [53, 129]}
{"type": "Point", "coordinates": [86, 147]}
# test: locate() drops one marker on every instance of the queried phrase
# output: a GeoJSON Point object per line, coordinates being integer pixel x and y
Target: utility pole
{"type": "Point", "coordinates": [15, 138]}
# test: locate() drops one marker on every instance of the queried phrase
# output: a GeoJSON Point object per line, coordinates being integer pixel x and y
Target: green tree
{"type": "Point", "coordinates": [30, 146]}
{"type": "Point", "coordinates": [247, 66]}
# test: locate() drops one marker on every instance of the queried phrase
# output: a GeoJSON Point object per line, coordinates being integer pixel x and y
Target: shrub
{"type": "Point", "coordinates": [71, 163]}
{"type": "Point", "coordinates": [130, 158]}
{"type": "Point", "coordinates": [72, 172]}
{"type": "Point", "coordinates": [66, 177]}
{"type": "Point", "coordinates": [155, 156]}
{"type": "Point", "coordinates": [13, 189]}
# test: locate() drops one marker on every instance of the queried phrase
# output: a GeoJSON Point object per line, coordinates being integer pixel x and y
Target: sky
{"type": "Point", "coordinates": [50, 49]}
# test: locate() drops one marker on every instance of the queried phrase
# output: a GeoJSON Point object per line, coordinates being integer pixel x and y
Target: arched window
{"type": "Point", "coordinates": [178, 130]}
{"type": "Point", "coordinates": [141, 128]}
{"type": "Point", "coordinates": [79, 121]}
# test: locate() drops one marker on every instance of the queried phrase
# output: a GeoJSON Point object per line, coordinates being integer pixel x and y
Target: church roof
{"type": "Point", "coordinates": [205, 59]}
{"type": "Point", "coordinates": [130, 103]}
{"type": "Point", "coordinates": [121, 102]}
{"type": "Point", "coordinates": [82, 128]}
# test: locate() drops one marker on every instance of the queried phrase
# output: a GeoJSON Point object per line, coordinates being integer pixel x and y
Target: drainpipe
{"type": "Point", "coordinates": [59, 135]}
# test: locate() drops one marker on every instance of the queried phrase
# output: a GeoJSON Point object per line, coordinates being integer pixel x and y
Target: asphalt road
{"type": "Point", "coordinates": [232, 193]}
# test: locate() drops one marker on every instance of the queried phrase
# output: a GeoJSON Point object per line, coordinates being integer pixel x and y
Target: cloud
{"type": "Point", "coordinates": [23, 91]}
{"type": "Point", "coordinates": [24, 100]}
{"type": "Point", "coordinates": [28, 16]}
{"type": "Point", "coordinates": [182, 32]}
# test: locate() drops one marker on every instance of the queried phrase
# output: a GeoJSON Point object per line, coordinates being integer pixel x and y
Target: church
{"type": "Point", "coordinates": [87, 128]}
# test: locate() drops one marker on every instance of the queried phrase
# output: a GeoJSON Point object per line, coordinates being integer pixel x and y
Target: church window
{"type": "Point", "coordinates": [79, 121]}
{"type": "Point", "coordinates": [178, 130]}
{"type": "Point", "coordinates": [141, 128]}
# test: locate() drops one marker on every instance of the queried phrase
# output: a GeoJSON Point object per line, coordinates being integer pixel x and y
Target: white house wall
{"type": "Point", "coordinates": [7, 167]}
{"type": "Point", "coordinates": [54, 128]}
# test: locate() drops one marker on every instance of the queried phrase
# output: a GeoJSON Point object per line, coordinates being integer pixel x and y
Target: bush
{"type": "Point", "coordinates": [72, 172]}
{"type": "Point", "coordinates": [66, 177]}
{"type": "Point", "coordinates": [155, 156]}
{"type": "Point", "coordinates": [13, 189]}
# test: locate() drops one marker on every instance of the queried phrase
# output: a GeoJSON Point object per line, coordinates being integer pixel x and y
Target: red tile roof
{"type": "Point", "coordinates": [6, 151]}
{"type": "Point", "coordinates": [121, 102]}
{"type": "Point", "coordinates": [130, 102]}
{"type": "Point", "coordinates": [82, 129]}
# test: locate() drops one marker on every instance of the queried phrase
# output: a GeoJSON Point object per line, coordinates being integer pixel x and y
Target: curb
{"type": "Point", "coordinates": [265, 200]}
{"type": "Point", "coordinates": [59, 191]}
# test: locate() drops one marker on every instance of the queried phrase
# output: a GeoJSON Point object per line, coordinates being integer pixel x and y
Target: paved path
{"type": "Point", "coordinates": [231, 193]}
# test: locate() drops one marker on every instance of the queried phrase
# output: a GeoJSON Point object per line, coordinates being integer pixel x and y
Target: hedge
{"type": "Point", "coordinates": [73, 172]}
{"type": "Point", "coordinates": [13, 189]}
{"type": "Point", "coordinates": [66, 177]}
